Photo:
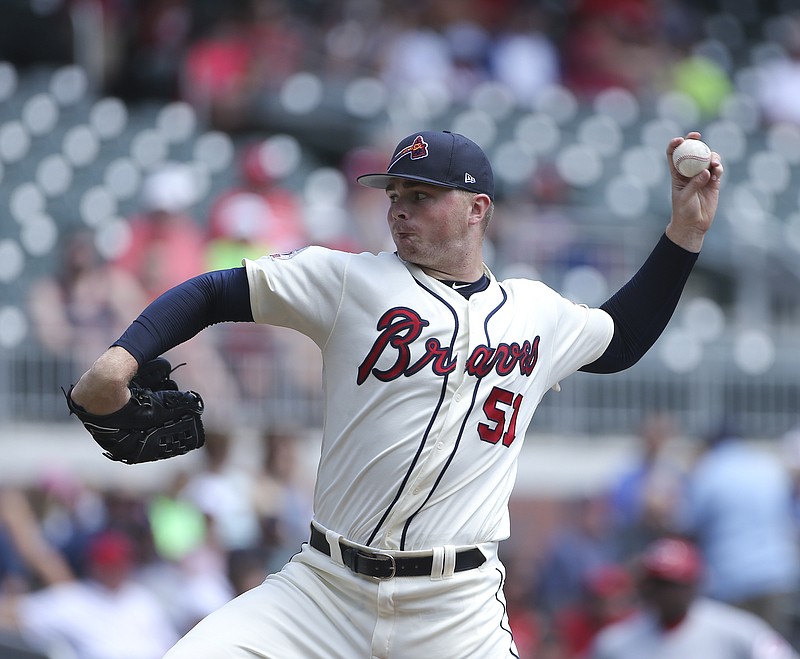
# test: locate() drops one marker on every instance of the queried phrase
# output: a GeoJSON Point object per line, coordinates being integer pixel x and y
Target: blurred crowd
{"type": "Point", "coordinates": [730, 501]}
{"type": "Point", "coordinates": [221, 55]}
{"type": "Point", "coordinates": [691, 530]}
{"type": "Point", "coordinates": [102, 573]}
{"type": "Point", "coordinates": [227, 58]}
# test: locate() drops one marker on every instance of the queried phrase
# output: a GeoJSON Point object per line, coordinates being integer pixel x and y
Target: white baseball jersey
{"type": "Point", "coordinates": [427, 394]}
{"type": "Point", "coordinates": [711, 630]}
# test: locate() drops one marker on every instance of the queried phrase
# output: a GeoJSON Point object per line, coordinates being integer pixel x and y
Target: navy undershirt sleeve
{"type": "Point", "coordinates": [183, 311]}
{"type": "Point", "coordinates": [642, 308]}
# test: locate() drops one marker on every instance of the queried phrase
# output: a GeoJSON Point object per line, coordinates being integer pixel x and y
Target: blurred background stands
{"type": "Point", "coordinates": [578, 153]}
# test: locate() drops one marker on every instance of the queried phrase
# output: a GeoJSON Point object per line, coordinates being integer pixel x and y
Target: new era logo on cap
{"type": "Point", "coordinates": [440, 158]}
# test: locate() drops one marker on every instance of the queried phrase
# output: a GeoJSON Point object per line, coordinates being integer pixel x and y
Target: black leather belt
{"type": "Point", "coordinates": [385, 566]}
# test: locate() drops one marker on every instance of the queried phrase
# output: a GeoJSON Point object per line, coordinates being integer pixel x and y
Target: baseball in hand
{"type": "Point", "coordinates": [691, 157]}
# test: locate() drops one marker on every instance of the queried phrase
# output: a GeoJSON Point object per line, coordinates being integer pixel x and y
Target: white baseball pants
{"type": "Point", "coordinates": [317, 608]}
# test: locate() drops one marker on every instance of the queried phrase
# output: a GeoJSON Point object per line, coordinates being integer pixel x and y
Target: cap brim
{"type": "Point", "coordinates": [380, 181]}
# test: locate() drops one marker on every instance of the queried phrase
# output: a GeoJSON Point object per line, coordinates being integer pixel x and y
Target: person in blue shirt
{"type": "Point", "coordinates": [738, 508]}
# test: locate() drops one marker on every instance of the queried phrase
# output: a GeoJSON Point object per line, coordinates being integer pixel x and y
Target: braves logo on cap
{"type": "Point", "coordinates": [419, 148]}
{"type": "Point", "coordinates": [416, 150]}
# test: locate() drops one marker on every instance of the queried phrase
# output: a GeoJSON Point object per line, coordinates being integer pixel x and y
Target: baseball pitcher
{"type": "Point", "coordinates": [432, 372]}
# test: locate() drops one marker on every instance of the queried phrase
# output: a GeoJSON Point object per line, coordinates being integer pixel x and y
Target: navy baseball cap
{"type": "Point", "coordinates": [439, 158]}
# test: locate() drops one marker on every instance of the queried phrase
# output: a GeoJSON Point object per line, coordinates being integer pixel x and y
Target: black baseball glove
{"type": "Point", "coordinates": [158, 422]}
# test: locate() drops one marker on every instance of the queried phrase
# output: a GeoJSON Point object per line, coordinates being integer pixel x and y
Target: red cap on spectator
{"type": "Point", "coordinates": [609, 581]}
{"type": "Point", "coordinates": [111, 548]}
{"type": "Point", "coordinates": [672, 559]}
{"type": "Point", "coordinates": [255, 164]}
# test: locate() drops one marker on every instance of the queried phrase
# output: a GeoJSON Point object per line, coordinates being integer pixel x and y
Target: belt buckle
{"type": "Point", "coordinates": [381, 558]}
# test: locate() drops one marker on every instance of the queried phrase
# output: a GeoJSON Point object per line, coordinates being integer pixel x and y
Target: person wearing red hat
{"type": "Point", "coordinates": [675, 622]}
{"type": "Point", "coordinates": [103, 612]}
{"type": "Point", "coordinates": [258, 215]}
